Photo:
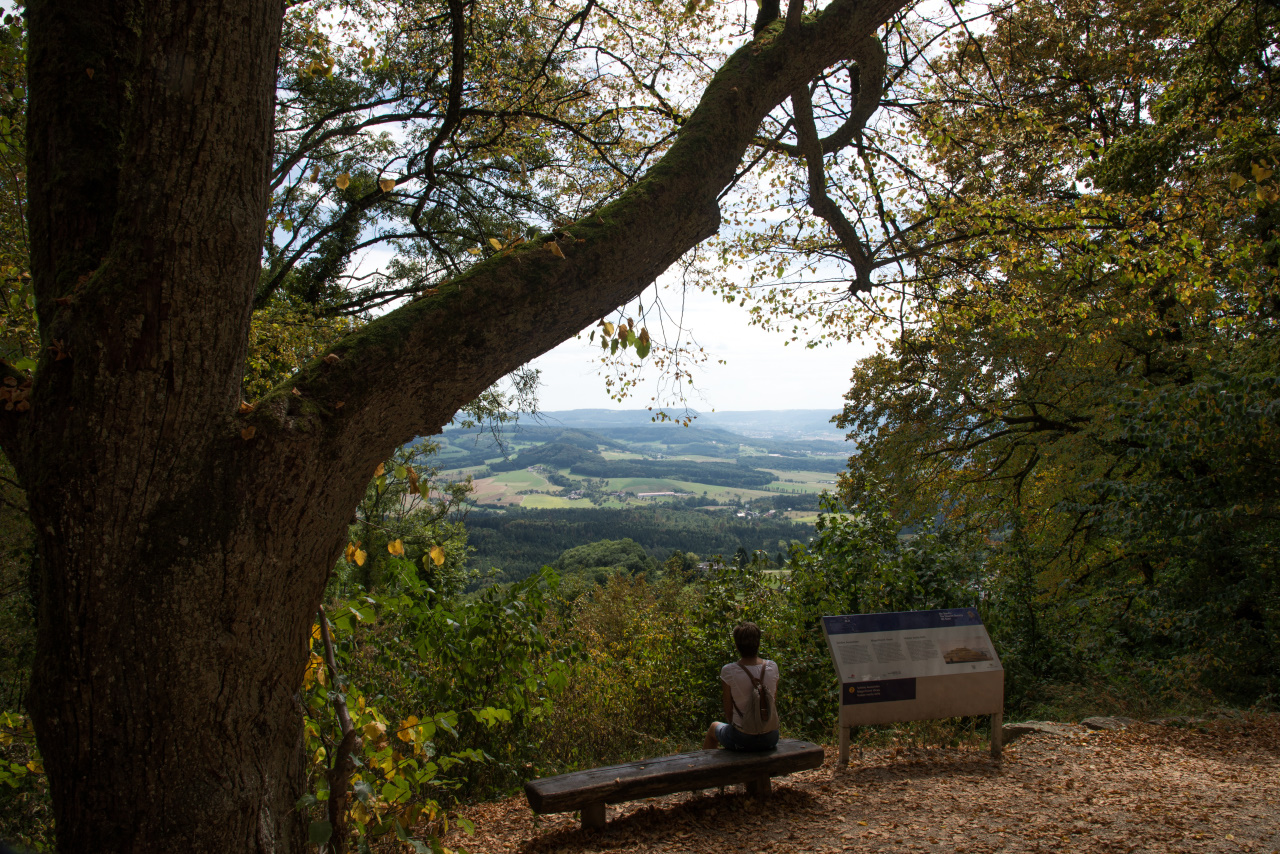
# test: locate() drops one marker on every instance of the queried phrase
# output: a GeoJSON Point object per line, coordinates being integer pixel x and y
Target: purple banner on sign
{"type": "Point", "coordinates": [879, 691]}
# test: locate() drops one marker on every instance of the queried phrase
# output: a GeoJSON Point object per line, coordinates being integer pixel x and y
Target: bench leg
{"type": "Point", "coordinates": [593, 816]}
{"type": "Point", "coordinates": [997, 735]}
{"type": "Point", "coordinates": [759, 787]}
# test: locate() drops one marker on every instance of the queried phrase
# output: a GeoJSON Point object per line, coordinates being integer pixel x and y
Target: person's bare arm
{"type": "Point", "coordinates": [727, 702]}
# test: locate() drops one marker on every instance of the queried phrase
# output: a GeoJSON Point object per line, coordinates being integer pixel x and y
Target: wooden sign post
{"type": "Point", "coordinates": [914, 665]}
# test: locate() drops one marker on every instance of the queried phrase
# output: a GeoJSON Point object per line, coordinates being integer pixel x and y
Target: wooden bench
{"type": "Point", "coordinates": [590, 790]}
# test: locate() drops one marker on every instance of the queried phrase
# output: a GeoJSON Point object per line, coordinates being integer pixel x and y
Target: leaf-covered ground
{"type": "Point", "coordinates": [1213, 788]}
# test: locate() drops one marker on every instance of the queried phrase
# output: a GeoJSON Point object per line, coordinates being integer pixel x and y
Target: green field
{"type": "Point", "coordinates": [522, 479]}
{"type": "Point", "coordinates": [549, 502]}
{"type": "Point", "coordinates": [504, 488]}
{"type": "Point", "coordinates": [806, 481]}
{"type": "Point", "coordinates": [657, 484]}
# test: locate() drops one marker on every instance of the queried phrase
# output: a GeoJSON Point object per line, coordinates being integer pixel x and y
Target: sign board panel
{"type": "Point", "coordinates": [913, 665]}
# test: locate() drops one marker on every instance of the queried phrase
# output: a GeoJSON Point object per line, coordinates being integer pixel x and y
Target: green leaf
{"type": "Point", "coordinates": [319, 832]}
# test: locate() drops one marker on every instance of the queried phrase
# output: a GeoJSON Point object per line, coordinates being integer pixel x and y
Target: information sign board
{"type": "Point", "coordinates": [914, 665]}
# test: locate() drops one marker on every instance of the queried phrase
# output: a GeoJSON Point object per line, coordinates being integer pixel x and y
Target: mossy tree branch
{"type": "Point", "coordinates": [406, 373]}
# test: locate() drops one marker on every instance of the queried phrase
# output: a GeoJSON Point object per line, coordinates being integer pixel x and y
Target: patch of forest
{"type": "Point", "coordinates": [788, 462]}
{"type": "Point", "coordinates": [520, 542]}
{"type": "Point", "coordinates": [559, 455]}
{"type": "Point", "coordinates": [712, 474]}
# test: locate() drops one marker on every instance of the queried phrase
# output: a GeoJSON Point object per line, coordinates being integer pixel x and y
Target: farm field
{"type": "Point", "coordinates": [818, 479]}
{"type": "Point", "coordinates": [736, 492]}
{"type": "Point", "coordinates": [557, 502]}
{"type": "Point", "coordinates": [504, 488]}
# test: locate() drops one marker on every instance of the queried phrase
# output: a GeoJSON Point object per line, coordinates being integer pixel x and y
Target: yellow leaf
{"type": "Point", "coordinates": [495, 243]}
{"type": "Point", "coordinates": [35, 767]}
{"type": "Point", "coordinates": [380, 470]}
{"type": "Point", "coordinates": [350, 553]}
{"type": "Point", "coordinates": [247, 433]}
{"type": "Point", "coordinates": [315, 174]}
{"type": "Point", "coordinates": [245, 407]}
{"type": "Point", "coordinates": [413, 483]}
{"type": "Point", "coordinates": [473, 251]}
{"type": "Point", "coordinates": [608, 330]}
{"type": "Point", "coordinates": [396, 548]}
{"type": "Point", "coordinates": [1237, 181]}
{"type": "Point", "coordinates": [360, 556]}
{"type": "Point", "coordinates": [1260, 172]}
{"type": "Point", "coordinates": [555, 249]}
{"type": "Point", "coordinates": [343, 181]}
{"type": "Point", "coordinates": [437, 555]}
{"type": "Point", "coordinates": [374, 730]}
{"type": "Point", "coordinates": [387, 184]}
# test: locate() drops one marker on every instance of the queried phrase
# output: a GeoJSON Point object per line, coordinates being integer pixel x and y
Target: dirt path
{"type": "Point", "coordinates": [1145, 789]}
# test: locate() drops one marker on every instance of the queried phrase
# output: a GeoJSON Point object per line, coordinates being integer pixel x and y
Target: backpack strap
{"type": "Point", "coordinates": [758, 684]}
{"type": "Point", "coordinates": [755, 682]}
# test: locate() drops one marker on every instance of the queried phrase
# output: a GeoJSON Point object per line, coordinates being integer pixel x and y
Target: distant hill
{"type": "Point", "coordinates": [789, 440]}
{"type": "Point", "coordinates": [793, 424]}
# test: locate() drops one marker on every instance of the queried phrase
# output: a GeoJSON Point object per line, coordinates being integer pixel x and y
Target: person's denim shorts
{"type": "Point", "coordinates": [735, 739]}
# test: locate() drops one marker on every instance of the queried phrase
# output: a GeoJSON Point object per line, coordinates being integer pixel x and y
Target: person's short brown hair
{"type": "Point", "coordinates": [746, 637]}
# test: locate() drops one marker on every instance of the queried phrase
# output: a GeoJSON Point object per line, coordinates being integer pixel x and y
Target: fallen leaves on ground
{"type": "Point", "coordinates": [1214, 788]}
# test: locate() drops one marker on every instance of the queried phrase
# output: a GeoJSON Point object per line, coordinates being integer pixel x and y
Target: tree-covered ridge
{"type": "Point", "coordinates": [518, 542]}
{"type": "Point", "coordinates": [715, 474]}
{"type": "Point", "coordinates": [530, 444]}
{"type": "Point", "coordinates": [622, 554]}
{"type": "Point", "coordinates": [552, 454]}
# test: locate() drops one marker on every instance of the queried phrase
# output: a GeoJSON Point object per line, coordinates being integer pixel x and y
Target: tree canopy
{"type": "Point", "coordinates": [534, 176]}
{"type": "Point", "coordinates": [1086, 368]}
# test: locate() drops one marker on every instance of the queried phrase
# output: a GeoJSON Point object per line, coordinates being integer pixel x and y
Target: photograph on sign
{"type": "Point", "coordinates": [908, 644]}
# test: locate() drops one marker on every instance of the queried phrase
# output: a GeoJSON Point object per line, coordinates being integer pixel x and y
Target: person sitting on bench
{"type": "Point", "coordinates": [750, 690]}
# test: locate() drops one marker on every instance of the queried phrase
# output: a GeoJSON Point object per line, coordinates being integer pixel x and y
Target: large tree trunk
{"type": "Point", "coordinates": [182, 556]}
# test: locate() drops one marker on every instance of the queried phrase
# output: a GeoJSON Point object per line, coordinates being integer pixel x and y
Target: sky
{"type": "Point", "coordinates": [760, 372]}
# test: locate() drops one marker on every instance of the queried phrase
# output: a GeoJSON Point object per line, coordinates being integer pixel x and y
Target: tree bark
{"type": "Point", "coordinates": [180, 563]}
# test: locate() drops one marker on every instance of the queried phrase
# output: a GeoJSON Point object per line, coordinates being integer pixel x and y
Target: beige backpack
{"type": "Point", "coordinates": [761, 715]}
